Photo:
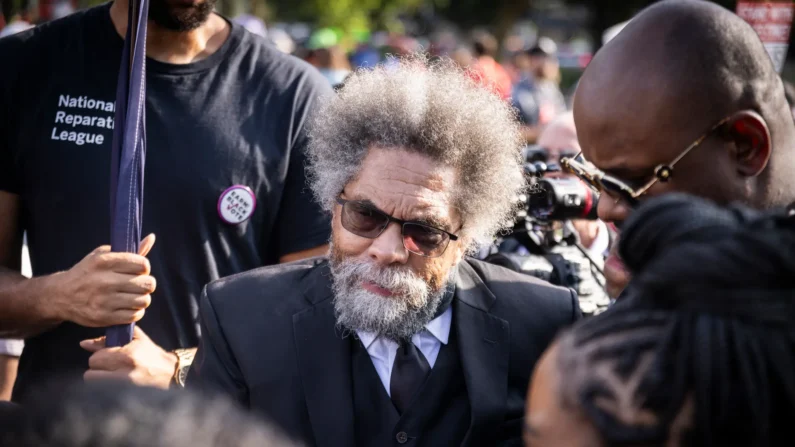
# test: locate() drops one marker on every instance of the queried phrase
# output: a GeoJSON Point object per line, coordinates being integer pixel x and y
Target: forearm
{"type": "Point", "coordinates": [24, 310]}
{"type": "Point", "coordinates": [8, 375]}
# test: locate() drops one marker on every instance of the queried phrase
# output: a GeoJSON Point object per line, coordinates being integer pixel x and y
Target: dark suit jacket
{"type": "Point", "coordinates": [269, 339]}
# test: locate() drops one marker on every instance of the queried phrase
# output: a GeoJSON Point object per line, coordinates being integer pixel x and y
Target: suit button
{"type": "Point", "coordinates": [402, 437]}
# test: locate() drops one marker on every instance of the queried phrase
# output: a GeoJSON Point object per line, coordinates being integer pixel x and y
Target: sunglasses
{"type": "Point", "coordinates": [362, 219]}
{"type": "Point", "coordinates": [603, 182]}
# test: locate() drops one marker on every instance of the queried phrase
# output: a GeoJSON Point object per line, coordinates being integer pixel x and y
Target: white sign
{"type": "Point", "coordinates": [772, 22]}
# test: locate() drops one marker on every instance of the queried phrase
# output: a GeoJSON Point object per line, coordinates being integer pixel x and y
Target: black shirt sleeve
{"type": "Point", "coordinates": [11, 61]}
{"type": "Point", "coordinates": [301, 223]}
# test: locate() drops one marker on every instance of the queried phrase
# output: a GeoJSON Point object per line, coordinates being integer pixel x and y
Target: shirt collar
{"type": "Point", "coordinates": [367, 338]}
{"type": "Point", "coordinates": [439, 327]}
{"type": "Point", "coordinates": [601, 243]}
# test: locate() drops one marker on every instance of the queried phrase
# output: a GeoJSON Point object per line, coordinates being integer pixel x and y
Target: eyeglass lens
{"type": "Point", "coordinates": [362, 220]}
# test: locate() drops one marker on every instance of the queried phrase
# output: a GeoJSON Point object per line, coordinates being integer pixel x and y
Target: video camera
{"type": "Point", "coordinates": [555, 198]}
{"type": "Point", "coordinates": [549, 206]}
{"type": "Point", "coordinates": [543, 242]}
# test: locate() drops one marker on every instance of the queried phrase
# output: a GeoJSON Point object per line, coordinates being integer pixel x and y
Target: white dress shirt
{"type": "Point", "coordinates": [600, 246]}
{"type": "Point", "coordinates": [383, 350]}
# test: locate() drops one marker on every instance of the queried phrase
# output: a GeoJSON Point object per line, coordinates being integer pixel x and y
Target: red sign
{"type": "Point", "coordinates": [773, 22]}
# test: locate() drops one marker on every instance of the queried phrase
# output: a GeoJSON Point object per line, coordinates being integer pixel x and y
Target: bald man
{"type": "Point", "coordinates": [686, 75]}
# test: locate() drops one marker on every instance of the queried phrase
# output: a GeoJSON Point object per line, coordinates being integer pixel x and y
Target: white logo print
{"type": "Point", "coordinates": [69, 124]}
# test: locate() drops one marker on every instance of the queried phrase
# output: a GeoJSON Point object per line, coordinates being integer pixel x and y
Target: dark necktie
{"type": "Point", "coordinates": [408, 374]}
{"type": "Point", "coordinates": [411, 368]}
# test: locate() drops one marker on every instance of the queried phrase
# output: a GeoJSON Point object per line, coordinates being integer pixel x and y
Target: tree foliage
{"type": "Point", "coordinates": [345, 14]}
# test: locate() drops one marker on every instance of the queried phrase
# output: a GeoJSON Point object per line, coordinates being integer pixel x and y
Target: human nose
{"type": "Point", "coordinates": [388, 247]}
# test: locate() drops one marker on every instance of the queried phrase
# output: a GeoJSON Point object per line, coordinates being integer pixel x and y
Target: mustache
{"type": "Point", "coordinates": [398, 279]}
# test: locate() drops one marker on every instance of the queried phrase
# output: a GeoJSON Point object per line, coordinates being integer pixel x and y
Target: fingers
{"type": "Point", "coordinates": [98, 344]}
{"type": "Point", "coordinates": [110, 359]}
{"type": "Point", "coordinates": [93, 345]}
{"type": "Point", "coordinates": [127, 316]}
{"type": "Point", "coordinates": [129, 263]}
{"type": "Point", "coordinates": [118, 317]}
{"type": "Point", "coordinates": [136, 303]}
{"type": "Point", "coordinates": [101, 249]}
{"type": "Point", "coordinates": [137, 285]}
{"type": "Point", "coordinates": [146, 244]}
{"type": "Point", "coordinates": [144, 247]}
{"type": "Point", "coordinates": [139, 333]}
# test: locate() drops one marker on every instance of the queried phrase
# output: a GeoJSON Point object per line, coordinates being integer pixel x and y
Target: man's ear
{"type": "Point", "coordinates": [752, 142]}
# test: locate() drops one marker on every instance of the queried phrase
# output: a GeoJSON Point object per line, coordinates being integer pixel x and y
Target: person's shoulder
{"type": "Point", "coordinates": [281, 285]}
{"type": "Point", "coordinates": [279, 274]}
{"type": "Point", "coordinates": [12, 47]}
{"type": "Point", "coordinates": [519, 294]}
{"type": "Point", "coordinates": [281, 71]}
{"type": "Point", "coordinates": [53, 32]}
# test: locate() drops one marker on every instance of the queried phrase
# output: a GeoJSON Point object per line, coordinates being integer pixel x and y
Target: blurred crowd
{"type": "Point", "coordinates": [528, 74]}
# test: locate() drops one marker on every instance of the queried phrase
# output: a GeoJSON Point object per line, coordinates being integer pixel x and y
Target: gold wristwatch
{"type": "Point", "coordinates": [184, 360]}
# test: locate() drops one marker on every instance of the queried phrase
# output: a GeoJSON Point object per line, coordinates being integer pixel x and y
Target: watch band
{"type": "Point", "coordinates": [184, 361]}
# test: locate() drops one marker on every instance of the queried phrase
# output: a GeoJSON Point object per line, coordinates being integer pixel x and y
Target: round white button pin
{"type": "Point", "coordinates": [236, 204]}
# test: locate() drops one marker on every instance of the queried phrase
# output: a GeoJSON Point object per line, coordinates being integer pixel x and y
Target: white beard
{"type": "Point", "coordinates": [397, 317]}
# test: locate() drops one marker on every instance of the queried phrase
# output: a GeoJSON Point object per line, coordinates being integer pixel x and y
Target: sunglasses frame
{"type": "Point", "coordinates": [451, 237]}
{"type": "Point", "coordinates": [662, 172]}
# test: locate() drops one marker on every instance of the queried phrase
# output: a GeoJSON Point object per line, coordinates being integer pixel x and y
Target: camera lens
{"type": "Point", "coordinates": [562, 199]}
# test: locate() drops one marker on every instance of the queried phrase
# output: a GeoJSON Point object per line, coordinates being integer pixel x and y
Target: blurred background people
{"type": "Point", "coordinates": [700, 352]}
{"type": "Point", "coordinates": [252, 24]}
{"type": "Point", "coordinates": [537, 94]}
{"type": "Point", "coordinates": [325, 54]}
{"type": "Point", "coordinates": [16, 16]}
{"type": "Point", "coordinates": [485, 67]}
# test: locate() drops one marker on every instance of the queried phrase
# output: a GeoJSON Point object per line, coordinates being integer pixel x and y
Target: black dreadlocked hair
{"type": "Point", "coordinates": [701, 351]}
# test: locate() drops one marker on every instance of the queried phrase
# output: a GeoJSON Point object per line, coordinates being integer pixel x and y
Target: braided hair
{"type": "Point", "coordinates": [702, 349]}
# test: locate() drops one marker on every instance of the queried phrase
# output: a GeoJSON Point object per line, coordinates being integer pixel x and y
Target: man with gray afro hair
{"type": "Point", "coordinates": [397, 336]}
{"type": "Point", "coordinates": [431, 109]}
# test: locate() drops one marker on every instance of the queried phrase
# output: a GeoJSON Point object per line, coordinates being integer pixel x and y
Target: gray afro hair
{"type": "Point", "coordinates": [434, 109]}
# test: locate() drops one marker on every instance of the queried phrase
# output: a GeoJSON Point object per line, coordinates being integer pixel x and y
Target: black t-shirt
{"type": "Point", "coordinates": [238, 117]}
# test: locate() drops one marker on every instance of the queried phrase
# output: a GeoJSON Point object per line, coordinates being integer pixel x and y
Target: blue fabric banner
{"type": "Point", "coordinates": [129, 149]}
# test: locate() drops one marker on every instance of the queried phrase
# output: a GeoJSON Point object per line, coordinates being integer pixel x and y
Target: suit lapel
{"type": "Point", "coordinates": [485, 349]}
{"type": "Point", "coordinates": [324, 361]}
